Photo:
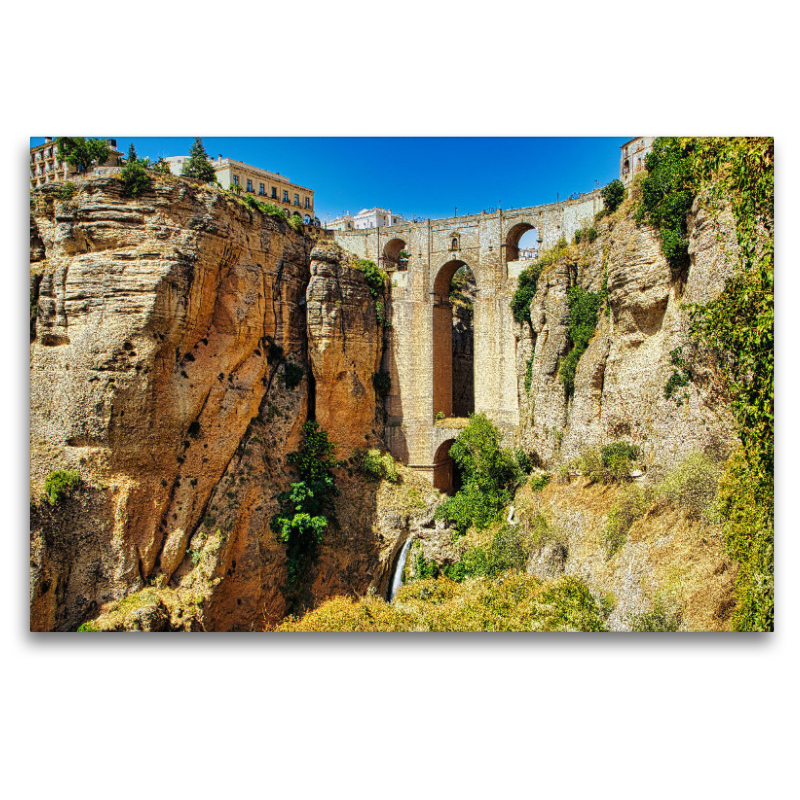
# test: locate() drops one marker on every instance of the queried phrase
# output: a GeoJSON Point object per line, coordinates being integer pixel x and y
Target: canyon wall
{"type": "Point", "coordinates": [178, 343]}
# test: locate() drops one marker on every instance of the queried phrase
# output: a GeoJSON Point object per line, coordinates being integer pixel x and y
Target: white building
{"type": "Point", "coordinates": [632, 153]}
{"type": "Point", "coordinates": [366, 218]}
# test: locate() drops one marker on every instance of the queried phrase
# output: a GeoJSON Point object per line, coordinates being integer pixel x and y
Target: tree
{"type": "Point", "coordinates": [198, 166]}
{"type": "Point", "coordinates": [613, 195]}
{"type": "Point", "coordinates": [81, 153]}
{"type": "Point", "coordinates": [133, 156]}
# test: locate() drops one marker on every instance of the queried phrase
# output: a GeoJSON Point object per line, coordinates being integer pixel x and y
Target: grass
{"type": "Point", "coordinates": [513, 602]}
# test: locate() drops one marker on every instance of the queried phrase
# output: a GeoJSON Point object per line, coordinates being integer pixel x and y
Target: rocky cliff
{"type": "Point", "coordinates": [178, 343]}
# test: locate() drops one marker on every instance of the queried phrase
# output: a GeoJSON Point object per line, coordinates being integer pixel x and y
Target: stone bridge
{"type": "Point", "coordinates": [419, 353]}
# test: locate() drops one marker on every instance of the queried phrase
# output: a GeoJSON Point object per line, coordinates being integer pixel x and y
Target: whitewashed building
{"type": "Point", "coordinates": [366, 218]}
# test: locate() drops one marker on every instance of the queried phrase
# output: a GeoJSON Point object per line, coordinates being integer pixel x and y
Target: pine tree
{"type": "Point", "coordinates": [198, 166]}
{"type": "Point", "coordinates": [133, 156]}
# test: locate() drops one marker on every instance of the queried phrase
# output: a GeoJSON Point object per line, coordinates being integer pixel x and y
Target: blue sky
{"type": "Point", "coordinates": [416, 176]}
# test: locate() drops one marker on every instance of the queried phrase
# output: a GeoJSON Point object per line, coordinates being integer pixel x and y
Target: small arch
{"type": "Point", "coordinates": [444, 469]}
{"type": "Point", "coordinates": [392, 254]}
{"type": "Point", "coordinates": [514, 239]}
{"type": "Point", "coordinates": [454, 243]}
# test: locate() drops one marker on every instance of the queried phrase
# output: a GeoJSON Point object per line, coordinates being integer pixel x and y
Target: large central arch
{"type": "Point", "coordinates": [443, 383]}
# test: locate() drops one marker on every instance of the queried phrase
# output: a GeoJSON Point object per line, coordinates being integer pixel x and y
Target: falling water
{"type": "Point", "coordinates": [397, 578]}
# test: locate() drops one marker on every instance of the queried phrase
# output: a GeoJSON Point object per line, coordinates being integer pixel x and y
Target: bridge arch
{"type": "Point", "coordinates": [391, 252]}
{"type": "Point", "coordinates": [445, 478]}
{"type": "Point", "coordinates": [514, 236]}
{"type": "Point", "coordinates": [453, 341]}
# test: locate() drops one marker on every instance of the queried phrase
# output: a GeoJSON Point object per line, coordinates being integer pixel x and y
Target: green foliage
{"type": "Point", "coordinates": [526, 289]}
{"type": "Point", "coordinates": [661, 618]}
{"type": "Point", "coordinates": [612, 195]}
{"type": "Point", "coordinates": [375, 466]}
{"type": "Point", "coordinates": [513, 602]}
{"type": "Point", "coordinates": [610, 464]}
{"type": "Point", "coordinates": [523, 462]}
{"type": "Point", "coordinates": [296, 223]}
{"type": "Point", "coordinates": [692, 485]}
{"type": "Point", "coordinates": [60, 483]}
{"type": "Point", "coordinates": [632, 506]}
{"type": "Point", "coordinates": [135, 179]}
{"type": "Point", "coordinates": [133, 157]}
{"type": "Point", "coordinates": [738, 326]}
{"type": "Point", "coordinates": [583, 309]}
{"type": "Point", "coordinates": [88, 627]}
{"type": "Point", "coordinates": [81, 153]}
{"type": "Point", "coordinates": [305, 507]}
{"type": "Point", "coordinates": [66, 191]}
{"type": "Point", "coordinates": [489, 473]}
{"type": "Point", "coordinates": [374, 276]}
{"type": "Point", "coordinates": [440, 415]}
{"type": "Point", "coordinates": [161, 167]}
{"type": "Point", "coordinates": [668, 191]}
{"type": "Point", "coordinates": [578, 235]}
{"type": "Point", "coordinates": [198, 166]}
{"type": "Point", "coordinates": [539, 481]}
{"type": "Point", "coordinates": [292, 374]}
{"type": "Point", "coordinates": [529, 374]}
{"type": "Point", "coordinates": [382, 382]}
{"type": "Point", "coordinates": [681, 377]}
{"type": "Point", "coordinates": [591, 234]}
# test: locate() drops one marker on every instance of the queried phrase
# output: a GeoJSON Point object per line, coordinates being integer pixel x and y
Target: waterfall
{"type": "Point", "coordinates": [397, 578]}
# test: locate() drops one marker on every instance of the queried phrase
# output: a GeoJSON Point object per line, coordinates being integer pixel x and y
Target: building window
{"type": "Point", "coordinates": [235, 180]}
{"type": "Point", "coordinates": [297, 199]}
{"type": "Point", "coordinates": [261, 190]}
{"type": "Point", "coordinates": [308, 202]}
{"type": "Point", "coordinates": [285, 196]}
{"type": "Point", "coordinates": [274, 192]}
{"type": "Point", "coordinates": [454, 245]}
{"type": "Point", "coordinates": [249, 185]}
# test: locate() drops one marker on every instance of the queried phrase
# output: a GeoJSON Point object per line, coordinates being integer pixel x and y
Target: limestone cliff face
{"type": "Point", "coordinates": [170, 365]}
{"type": "Point", "coordinates": [345, 339]}
{"type": "Point", "coordinates": [620, 379]}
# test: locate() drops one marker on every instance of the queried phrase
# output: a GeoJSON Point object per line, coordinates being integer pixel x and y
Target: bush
{"type": "Point", "coordinates": [591, 234]}
{"type": "Point", "coordinates": [523, 462]}
{"type": "Point", "coordinates": [529, 374]}
{"type": "Point", "coordinates": [539, 481]}
{"type": "Point", "coordinates": [375, 466]}
{"type": "Point", "coordinates": [610, 464]}
{"type": "Point", "coordinates": [692, 485]}
{"type": "Point", "coordinates": [60, 483]}
{"type": "Point", "coordinates": [373, 274]}
{"type": "Point", "coordinates": [578, 235]}
{"type": "Point", "coordinates": [489, 473]}
{"type": "Point", "coordinates": [135, 179]}
{"type": "Point", "coordinates": [613, 195]}
{"type": "Point", "coordinates": [682, 376]}
{"type": "Point", "coordinates": [632, 506]}
{"type": "Point", "coordinates": [292, 374]}
{"type": "Point", "coordinates": [306, 506]}
{"type": "Point", "coordinates": [66, 191]}
{"type": "Point", "coordinates": [583, 309]}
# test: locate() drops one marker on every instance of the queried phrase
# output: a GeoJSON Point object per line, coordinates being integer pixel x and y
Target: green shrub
{"type": "Point", "coordinates": [529, 374]}
{"type": "Point", "coordinates": [375, 466]}
{"type": "Point", "coordinates": [523, 462]}
{"type": "Point", "coordinates": [578, 235]}
{"type": "Point", "coordinates": [135, 179]}
{"type": "Point", "coordinates": [631, 507]}
{"type": "Point", "coordinates": [613, 195]}
{"type": "Point", "coordinates": [60, 483]}
{"type": "Point", "coordinates": [66, 191]}
{"type": "Point", "coordinates": [526, 289]}
{"type": "Point", "coordinates": [692, 485]}
{"type": "Point", "coordinates": [307, 505]}
{"type": "Point", "coordinates": [296, 223]}
{"type": "Point", "coordinates": [539, 481]}
{"type": "Point", "coordinates": [583, 310]}
{"type": "Point", "coordinates": [292, 374]}
{"type": "Point", "coordinates": [440, 415]}
{"type": "Point", "coordinates": [610, 464]}
{"type": "Point", "coordinates": [682, 376]}
{"type": "Point", "coordinates": [374, 276]}
{"type": "Point", "coordinates": [88, 627]}
{"type": "Point", "coordinates": [591, 234]}
{"type": "Point", "coordinates": [489, 473]}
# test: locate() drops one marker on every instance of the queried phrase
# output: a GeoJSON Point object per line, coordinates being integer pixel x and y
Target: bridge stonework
{"type": "Point", "coordinates": [419, 355]}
